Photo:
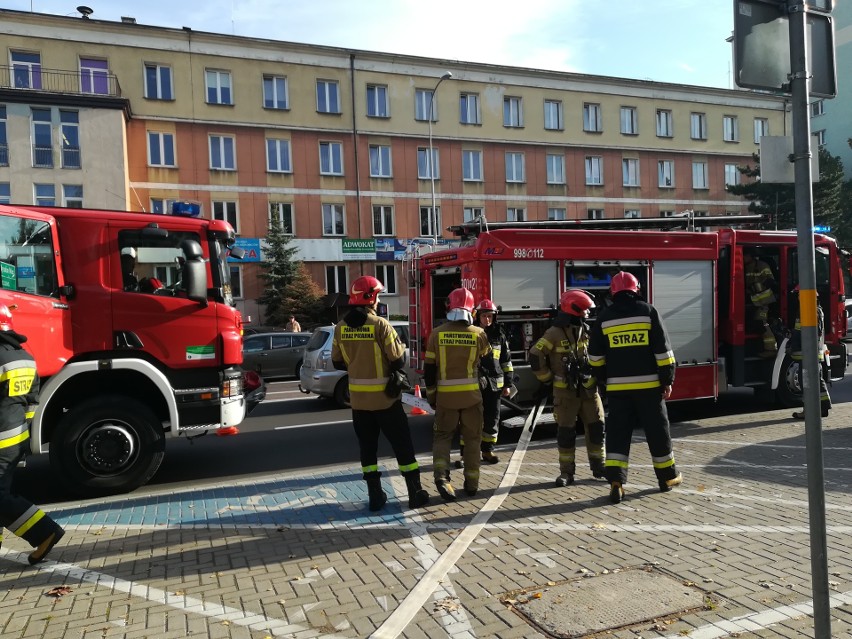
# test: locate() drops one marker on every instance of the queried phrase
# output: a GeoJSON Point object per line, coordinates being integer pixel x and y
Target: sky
{"type": "Point", "coordinates": [680, 41]}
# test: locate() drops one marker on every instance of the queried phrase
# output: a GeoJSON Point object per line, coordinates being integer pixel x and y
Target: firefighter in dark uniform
{"type": "Point", "coordinates": [18, 397]}
{"type": "Point", "coordinates": [456, 352]}
{"type": "Point", "coordinates": [368, 347]}
{"type": "Point", "coordinates": [760, 289]}
{"type": "Point", "coordinates": [796, 354]}
{"type": "Point", "coordinates": [492, 387]}
{"type": "Point", "coordinates": [630, 353]}
{"type": "Point", "coordinates": [560, 361]}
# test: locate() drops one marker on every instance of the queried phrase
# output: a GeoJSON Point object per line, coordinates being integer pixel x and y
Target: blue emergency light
{"type": "Point", "coordinates": [822, 229]}
{"type": "Point", "coordinates": [187, 208]}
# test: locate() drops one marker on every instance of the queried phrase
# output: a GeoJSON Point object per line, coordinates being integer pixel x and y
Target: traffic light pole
{"type": "Point", "coordinates": [808, 315]}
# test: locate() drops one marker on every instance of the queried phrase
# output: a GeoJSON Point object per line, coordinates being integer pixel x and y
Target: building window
{"type": "Point", "coordinates": [667, 213]}
{"type": "Point", "coordinates": [666, 173]}
{"type": "Point", "coordinates": [158, 82]}
{"type": "Point", "coordinates": [333, 220]}
{"type": "Point", "coordinates": [516, 214]}
{"type": "Point", "coordinates": [470, 213]}
{"type": "Point", "coordinates": [556, 215]}
{"type": "Point", "coordinates": [72, 196]}
{"type": "Point", "coordinates": [423, 105]}
{"type": "Point", "coordinates": [328, 96]}
{"type": "Point", "coordinates": [732, 175]}
{"type": "Point", "coordinates": [555, 168]}
{"type": "Point", "coordinates": [382, 219]}
{"type": "Point", "coordinates": [42, 138]}
{"type": "Point", "coordinates": [161, 206]}
{"type": "Point", "coordinates": [469, 109]}
{"type": "Point", "coordinates": [428, 224]}
{"type": "Point", "coordinates": [761, 128]}
{"type": "Point", "coordinates": [425, 167]}
{"type": "Point", "coordinates": [377, 101]}
{"type": "Point", "coordinates": [236, 282]}
{"type": "Point", "coordinates": [336, 280]}
{"type": "Point", "coordinates": [278, 158]}
{"type": "Point", "coordinates": [594, 170]}
{"type": "Point", "coordinates": [513, 112]}
{"type": "Point", "coordinates": [630, 171]}
{"type": "Point", "coordinates": [817, 108]}
{"type": "Point", "coordinates": [26, 70]}
{"type": "Point", "coordinates": [553, 115]}
{"type": "Point", "coordinates": [629, 121]}
{"type": "Point", "coordinates": [227, 212]}
{"type": "Point", "coordinates": [45, 194]}
{"type": "Point", "coordinates": [698, 126]}
{"type": "Point", "coordinates": [275, 92]}
{"type": "Point", "coordinates": [4, 140]}
{"type": "Point", "coordinates": [515, 167]}
{"type": "Point", "coordinates": [161, 149]}
{"type": "Point", "coordinates": [665, 128]}
{"type": "Point", "coordinates": [94, 76]}
{"type": "Point", "coordinates": [380, 161]}
{"type": "Point", "coordinates": [592, 120]}
{"type": "Point", "coordinates": [820, 136]}
{"type": "Point", "coordinates": [699, 175]}
{"type": "Point", "coordinates": [283, 212]}
{"type": "Point", "coordinates": [331, 158]}
{"type": "Point", "coordinates": [218, 84]}
{"type": "Point", "coordinates": [472, 166]}
{"type": "Point", "coordinates": [632, 214]}
{"type": "Point", "coordinates": [5, 193]}
{"type": "Point", "coordinates": [595, 214]}
{"type": "Point", "coordinates": [222, 155]}
{"type": "Point", "coordinates": [730, 128]}
{"type": "Point", "coordinates": [386, 274]}
{"type": "Point", "coordinates": [70, 129]}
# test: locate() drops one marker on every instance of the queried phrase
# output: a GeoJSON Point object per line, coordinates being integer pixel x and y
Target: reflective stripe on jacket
{"type": "Point", "coordinates": [454, 350]}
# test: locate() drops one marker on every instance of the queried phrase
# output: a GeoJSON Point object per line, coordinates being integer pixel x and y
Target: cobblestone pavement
{"type": "Point", "coordinates": [298, 555]}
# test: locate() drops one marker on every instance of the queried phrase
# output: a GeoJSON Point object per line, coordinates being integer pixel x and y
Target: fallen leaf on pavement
{"type": "Point", "coordinates": [59, 591]}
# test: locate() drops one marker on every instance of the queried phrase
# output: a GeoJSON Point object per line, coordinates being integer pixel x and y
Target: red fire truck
{"type": "Point", "coordinates": [130, 319]}
{"type": "Point", "coordinates": [694, 278]}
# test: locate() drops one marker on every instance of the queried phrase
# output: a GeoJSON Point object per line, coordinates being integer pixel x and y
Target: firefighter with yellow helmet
{"type": "Point", "coordinates": [560, 361]}
{"type": "Point", "coordinates": [368, 347]}
{"type": "Point", "coordinates": [760, 288]}
{"type": "Point", "coordinates": [456, 351]}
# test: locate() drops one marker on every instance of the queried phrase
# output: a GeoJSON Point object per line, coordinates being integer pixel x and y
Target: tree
{"type": "Point", "coordinates": [303, 297]}
{"type": "Point", "coordinates": [279, 271]}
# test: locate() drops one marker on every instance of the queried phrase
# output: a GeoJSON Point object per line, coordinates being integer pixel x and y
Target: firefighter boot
{"type": "Point", "coordinates": [616, 492]}
{"type": "Point", "coordinates": [416, 495]}
{"type": "Point", "coordinates": [597, 468]}
{"type": "Point", "coordinates": [38, 555]}
{"type": "Point", "coordinates": [445, 489]}
{"type": "Point", "coordinates": [564, 479]}
{"type": "Point", "coordinates": [667, 484]}
{"type": "Point", "coordinates": [378, 497]}
{"type": "Point", "coordinates": [489, 457]}
{"type": "Point", "coordinates": [470, 488]}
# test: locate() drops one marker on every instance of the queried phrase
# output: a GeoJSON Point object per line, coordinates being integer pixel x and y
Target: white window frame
{"type": "Point", "coordinates": [24, 65]}
{"type": "Point", "coordinates": [730, 128]}
{"type": "Point", "coordinates": [555, 168]}
{"type": "Point", "coordinates": [469, 112]}
{"type": "Point", "coordinates": [732, 175]}
{"type": "Point", "coordinates": [161, 84]}
{"type": "Point", "coordinates": [557, 214]}
{"type": "Point", "coordinates": [630, 172]}
{"type": "Point", "coordinates": [378, 105]}
{"type": "Point", "coordinates": [665, 174]}
{"type": "Point", "coordinates": [471, 165]}
{"type": "Point", "coordinates": [761, 128]}
{"type": "Point", "coordinates": [44, 194]}
{"type": "Point", "coordinates": [223, 142]}
{"type": "Point", "coordinates": [331, 158]}
{"type": "Point", "coordinates": [515, 167]}
{"type": "Point", "coordinates": [219, 81]}
{"type": "Point", "coordinates": [553, 115]}
{"type": "Point", "coordinates": [5, 193]}
{"type": "Point", "coordinates": [423, 104]}
{"type": "Point", "coordinates": [164, 205]}
{"type": "Point", "coordinates": [93, 75]}
{"type": "Point", "coordinates": [470, 213]}
{"type": "Point", "coordinates": [276, 90]}
{"type": "Point", "coordinates": [665, 123]}
{"type": "Point", "coordinates": [390, 283]}
{"type": "Point", "coordinates": [594, 170]}
{"type": "Point", "coordinates": [331, 215]}
{"type": "Point", "coordinates": [228, 211]}
{"type": "Point", "coordinates": [42, 153]}
{"type": "Point", "coordinates": [69, 135]}
{"type": "Point", "coordinates": [595, 214]}
{"type": "Point", "coordinates": [513, 112]}
{"type": "Point", "coordinates": [817, 108]}
{"type": "Point", "coordinates": [632, 214]}
{"type": "Point", "coordinates": [516, 214]}
{"type": "Point", "coordinates": [279, 150]}
{"type": "Point", "coordinates": [283, 210]}
{"type": "Point", "coordinates": [69, 201]}
{"type": "Point", "coordinates": [381, 164]}
{"type": "Point", "coordinates": [163, 141]}
{"type": "Point", "coordinates": [328, 96]}
{"type": "Point", "coordinates": [427, 217]}
{"type": "Point", "coordinates": [820, 136]}
{"type": "Point", "coordinates": [592, 117]}
{"type": "Point", "coordinates": [384, 225]}
{"type": "Point", "coordinates": [424, 166]}
{"type": "Point", "coordinates": [698, 126]}
{"type": "Point", "coordinates": [629, 117]}
{"type": "Point", "coordinates": [700, 175]}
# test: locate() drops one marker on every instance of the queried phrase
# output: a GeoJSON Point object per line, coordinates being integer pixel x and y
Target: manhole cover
{"type": "Point", "coordinates": [593, 604]}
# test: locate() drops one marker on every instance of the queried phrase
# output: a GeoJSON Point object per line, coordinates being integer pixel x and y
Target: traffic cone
{"type": "Point", "coordinates": [227, 430]}
{"type": "Point", "coordinates": [416, 410]}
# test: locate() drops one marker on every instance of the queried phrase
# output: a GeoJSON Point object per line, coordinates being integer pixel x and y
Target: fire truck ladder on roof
{"type": "Point", "coordinates": [410, 262]}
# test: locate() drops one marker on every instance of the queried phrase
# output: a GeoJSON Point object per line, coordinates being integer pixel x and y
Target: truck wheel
{"type": "Point", "coordinates": [789, 392]}
{"type": "Point", "coordinates": [341, 392]}
{"type": "Point", "coordinates": [107, 446]}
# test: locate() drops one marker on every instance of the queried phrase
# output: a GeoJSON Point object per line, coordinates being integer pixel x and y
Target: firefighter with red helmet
{"type": "Point", "coordinates": [19, 385]}
{"type": "Point", "coordinates": [630, 352]}
{"type": "Point", "coordinates": [560, 361]}
{"type": "Point", "coordinates": [368, 347]}
{"type": "Point", "coordinates": [456, 353]}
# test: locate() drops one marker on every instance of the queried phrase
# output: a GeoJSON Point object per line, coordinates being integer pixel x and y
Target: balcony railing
{"type": "Point", "coordinates": [42, 157]}
{"type": "Point", "coordinates": [56, 81]}
{"type": "Point", "coordinates": [4, 154]}
{"type": "Point", "coordinates": [71, 157]}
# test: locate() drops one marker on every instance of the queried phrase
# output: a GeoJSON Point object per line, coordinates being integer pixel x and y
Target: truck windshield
{"type": "Point", "coordinates": [26, 256]}
{"type": "Point", "coordinates": [222, 280]}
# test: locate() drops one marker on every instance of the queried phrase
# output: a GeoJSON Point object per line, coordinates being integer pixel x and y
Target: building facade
{"type": "Point", "coordinates": [357, 153]}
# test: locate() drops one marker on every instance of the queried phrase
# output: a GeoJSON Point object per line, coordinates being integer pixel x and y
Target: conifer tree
{"type": "Point", "coordinates": [278, 271]}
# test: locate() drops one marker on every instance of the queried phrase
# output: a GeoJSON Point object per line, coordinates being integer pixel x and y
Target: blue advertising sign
{"type": "Point", "coordinates": [251, 245]}
{"type": "Point", "coordinates": [26, 271]}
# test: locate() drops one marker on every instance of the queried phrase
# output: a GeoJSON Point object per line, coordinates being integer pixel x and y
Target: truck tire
{"type": "Point", "coordinates": [107, 445]}
{"type": "Point", "coordinates": [341, 392]}
{"type": "Point", "coordinates": [789, 393]}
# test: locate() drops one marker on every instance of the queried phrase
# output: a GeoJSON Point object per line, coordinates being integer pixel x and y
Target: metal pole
{"type": "Point", "coordinates": [808, 316]}
{"type": "Point", "coordinates": [434, 213]}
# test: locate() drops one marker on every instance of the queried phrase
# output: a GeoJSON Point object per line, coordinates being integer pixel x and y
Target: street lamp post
{"type": "Point", "coordinates": [434, 214]}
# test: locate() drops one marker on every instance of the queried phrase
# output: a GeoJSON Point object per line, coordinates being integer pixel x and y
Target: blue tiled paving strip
{"type": "Point", "coordinates": [314, 500]}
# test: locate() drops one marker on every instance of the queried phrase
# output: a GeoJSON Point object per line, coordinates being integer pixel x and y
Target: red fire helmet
{"type": "Point", "coordinates": [486, 305]}
{"type": "Point", "coordinates": [576, 302]}
{"type": "Point", "coordinates": [624, 281]}
{"type": "Point", "coordinates": [365, 290]}
{"type": "Point", "coordinates": [460, 298]}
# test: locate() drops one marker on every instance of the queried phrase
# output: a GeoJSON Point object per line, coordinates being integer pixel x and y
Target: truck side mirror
{"type": "Point", "coordinates": [193, 272]}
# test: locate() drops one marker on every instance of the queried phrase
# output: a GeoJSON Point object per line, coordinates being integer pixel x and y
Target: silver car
{"type": "Point", "coordinates": [318, 374]}
{"type": "Point", "coordinates": [274, 354]}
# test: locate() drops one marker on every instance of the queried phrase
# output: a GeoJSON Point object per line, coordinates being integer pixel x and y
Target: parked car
{"type": "Point", "coordinates": [254, 389]}
{"type": "Point", "coordinates": [274, 354]}
{"type": "Point", "coordinates": [252, 329]}
{"type": "Point", "coordinates": [318, 374]}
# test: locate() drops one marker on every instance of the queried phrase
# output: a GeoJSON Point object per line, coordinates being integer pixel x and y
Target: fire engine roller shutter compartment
{"type": "Point", "coordinates": [521, 285]}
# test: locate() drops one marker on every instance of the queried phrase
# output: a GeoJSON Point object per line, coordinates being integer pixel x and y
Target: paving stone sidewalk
{"type": "Point", "coordinates": [298, 555]}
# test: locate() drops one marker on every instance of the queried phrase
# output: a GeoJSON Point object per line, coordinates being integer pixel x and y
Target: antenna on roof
{"type": "Point", "coordinates": [85, 11]}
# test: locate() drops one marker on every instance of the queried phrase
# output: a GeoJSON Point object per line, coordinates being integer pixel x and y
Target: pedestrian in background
{"type": "Point", "coordinates": [293, 326]}
{"type": "Point", "coordinates": [368, 347]}
{"type": "Point", "coordinates": [19, 386]}
{"type": "Point", "coordinates": [456, 351]}
{"type": "Point", "coordinates": [633, 361]}
{"type": "Point", "coordinates": [560, 361]}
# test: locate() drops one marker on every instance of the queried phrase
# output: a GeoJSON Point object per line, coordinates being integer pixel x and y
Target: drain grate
{"type": "Point", "coordinates": [593, 604]}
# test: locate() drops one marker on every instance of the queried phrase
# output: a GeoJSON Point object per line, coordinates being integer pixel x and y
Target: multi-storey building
{"type": "Point", "coordinates": [358, 153]}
